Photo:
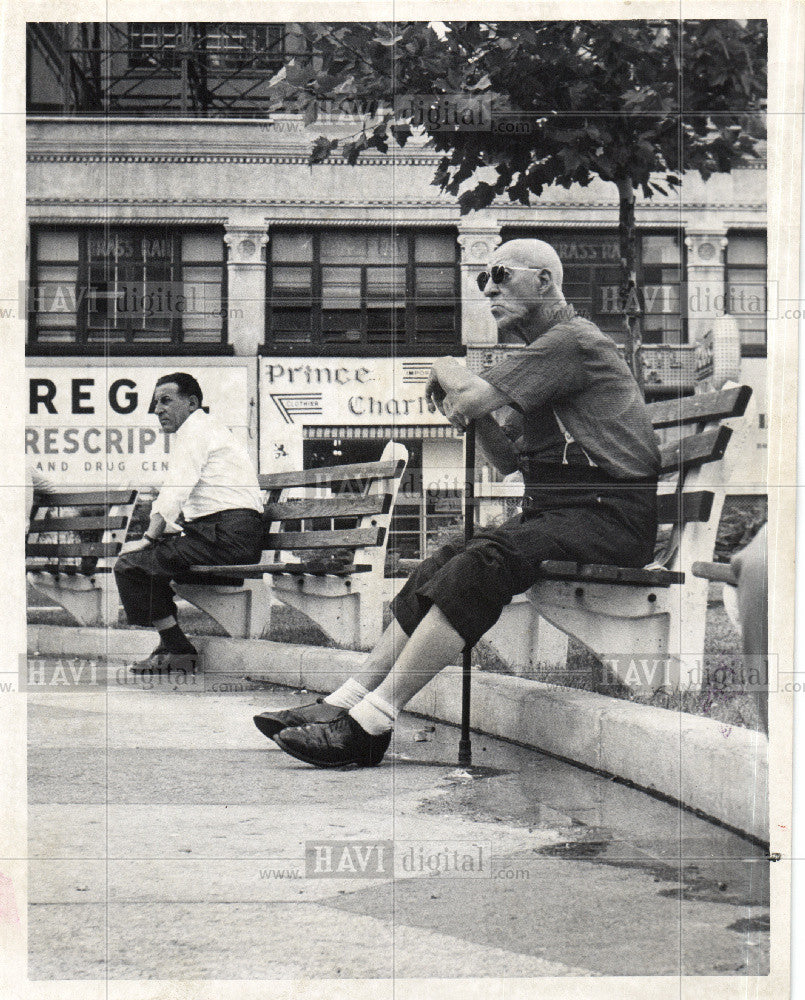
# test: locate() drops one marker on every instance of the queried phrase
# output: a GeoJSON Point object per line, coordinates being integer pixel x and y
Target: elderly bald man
{"type": "Point", "coordinates": [573, 421]}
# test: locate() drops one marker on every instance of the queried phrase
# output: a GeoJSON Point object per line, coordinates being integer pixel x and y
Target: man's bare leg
{"type": "Point", "coordinates": [383, 657]}
{"type": "Point", "coordinates": [347, 696]}
{"type": "Point", "coordinates": [363, 734]}
{"type": "Point", "coordinates": [434, 645]}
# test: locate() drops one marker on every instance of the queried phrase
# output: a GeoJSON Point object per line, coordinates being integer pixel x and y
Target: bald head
{"type": "Point", "coordinates": [532, 254]}
{"type": "Point", "coordinates": [526, 294]}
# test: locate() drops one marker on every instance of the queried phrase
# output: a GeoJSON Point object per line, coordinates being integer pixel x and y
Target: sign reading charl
{"type": "Point", "coordinates": [88, 424]}
{"type": "Point", "coordinates": [303, 392]}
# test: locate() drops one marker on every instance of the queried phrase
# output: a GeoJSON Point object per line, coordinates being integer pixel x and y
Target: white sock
{"type": "Point", "coordinates": [348, 695]}
{"type": "Point", "coordinates": [374, 714]}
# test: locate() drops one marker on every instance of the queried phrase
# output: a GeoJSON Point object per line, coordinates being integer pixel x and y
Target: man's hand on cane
{"type": "Point", "coordinates": [438, 399]}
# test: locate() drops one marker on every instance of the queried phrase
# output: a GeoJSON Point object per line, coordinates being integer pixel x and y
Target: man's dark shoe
{"type": "Point", "coordinates": [163, 661]}
{"type": "Point", "coordinates": [270, 723]}
{"type": "Point", "coordinates": [334, 744]}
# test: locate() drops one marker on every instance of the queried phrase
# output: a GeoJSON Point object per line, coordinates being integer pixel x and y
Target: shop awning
{"type": "Point", "coordinates": [385, 432]}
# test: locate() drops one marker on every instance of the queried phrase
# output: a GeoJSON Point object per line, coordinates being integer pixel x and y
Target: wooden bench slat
{"type": "Point", "coordinates": [59, 569]}
{"type": "Point", "coordinates": [341, 506]}
{"type": "Point", "coordinates": [695, 449]}
{"type": "Point", "coordinates": [360, 472]}
{"type": "Point", "coordinates": [79, 523]}
{"type": "Point", "coordinates": [704, 408]}
{"type": "Point", "coordinates": [58, 551]}
{"type": "Point", "coordinates": [717, 572]}
{"type": "Point", "coordinates": [552, 569]}
{"type": "Point", "coordinates": [693, 506]}
{"type": "Point", "coordinates": [78, 498]}
{"type": "Point", "coordinates": [277, 569]}
{"type": "Point", "coordinates": [346, 538]}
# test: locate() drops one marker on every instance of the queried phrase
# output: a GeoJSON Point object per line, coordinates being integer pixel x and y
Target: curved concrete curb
{"type": "Point", "coordinates": [719, 770]}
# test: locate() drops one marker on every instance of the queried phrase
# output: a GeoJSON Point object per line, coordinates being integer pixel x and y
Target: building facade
{"type": "Point", "coordinates": [173, 224]}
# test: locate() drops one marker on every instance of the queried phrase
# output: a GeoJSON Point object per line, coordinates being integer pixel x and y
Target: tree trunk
{"type": "Point", "coordinates": [630, 294]}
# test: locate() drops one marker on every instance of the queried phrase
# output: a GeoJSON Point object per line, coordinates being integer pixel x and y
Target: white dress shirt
{"type": "Point", "coordinates": [209, 472]}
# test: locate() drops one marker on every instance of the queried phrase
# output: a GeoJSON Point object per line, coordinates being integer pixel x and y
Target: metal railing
{"type": "Point", "coordinates": [144, 69]}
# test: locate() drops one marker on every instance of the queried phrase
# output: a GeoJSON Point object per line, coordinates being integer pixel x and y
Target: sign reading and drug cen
{"type": "Point", "coordinates": [296, 393]}
{"type": "Point", "coordinates": [88, 422]}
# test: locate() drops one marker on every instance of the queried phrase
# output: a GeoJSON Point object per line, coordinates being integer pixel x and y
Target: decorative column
{"type": "Point", "coordinates": [711, 329]}
{"type": "Point", "coordinates": [705, 281]}
{"type": "Point", "coordinates": [246, 273]}
{"type": "Point", "coordinates": [477, 244]}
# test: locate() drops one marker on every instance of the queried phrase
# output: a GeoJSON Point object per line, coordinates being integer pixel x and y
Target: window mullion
{"type": "Point", "coordinates": [364, 306]}
{"type": "Point", "coordinates": [176, 278]}
{"type": "Point", "coordinates": [82, 306]}
{"type": "Point", "coordinates": [316, 291]}
{"type": "Point", "coordinates": [410, 290]}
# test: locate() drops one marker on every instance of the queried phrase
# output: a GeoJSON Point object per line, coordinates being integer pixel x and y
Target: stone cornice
{"type": "Point", "coordinates": [453, 210]}
{"type": "Point", "coordinates": [77, 152]}
{"type": "Point", "coordinates": [508, 216]}
{"type": "Point", "coordinates": [392, 159]}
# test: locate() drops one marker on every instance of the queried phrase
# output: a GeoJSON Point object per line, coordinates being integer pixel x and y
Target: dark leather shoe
{"type": "Point", "coordinates": [270, 723]}
{"type": "Point", "coordinates": [334, 744]}
{"type": "Point", "coordinates": [164, 662]}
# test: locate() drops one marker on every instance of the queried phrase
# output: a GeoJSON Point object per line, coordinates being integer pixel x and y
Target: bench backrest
{"type": "Point", "coordinates": [701, 441]}
{"type": "Point", "coordinates": [78, 530]}
{"type": "Point", "coordinates": [336, 514]}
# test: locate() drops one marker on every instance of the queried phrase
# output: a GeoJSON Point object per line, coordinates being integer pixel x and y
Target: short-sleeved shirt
{"type": "Point", "coordinates": [572, 383]}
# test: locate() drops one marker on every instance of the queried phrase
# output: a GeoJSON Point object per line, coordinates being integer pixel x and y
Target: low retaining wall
{"type": "Point", "coordinates": [721, 771]}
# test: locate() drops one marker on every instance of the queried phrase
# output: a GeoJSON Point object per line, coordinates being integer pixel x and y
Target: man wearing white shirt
{"type": "Point", "coordinates": [209, 511]}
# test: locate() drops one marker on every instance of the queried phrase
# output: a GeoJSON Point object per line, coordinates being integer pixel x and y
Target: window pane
{"type": "Point", "coordinates": [751, 336]}
{"type": "Point", "coordinates": [341, 288]}
{"type": "Point", "coordinates": [342, 325]}
{"type": "Point", "coordinates": [202, 327]}
{"type": "Point", "coordinates": [580, 248]}
{"type": "Point", "coordinates": [385, 324]}
{"type": "Point", "coordinates": [435, 282]}
{"type": "Point", "coordinates": [385, 286]}
{"type": "Point", "coordinates": [370, 247]}
{"type": "Point", "coordinates": [291, 325]}
{"type": "Point", "coordinates": [659, 249]}
{"type": "Point", "coordinates": [201, 304]}
{"type": "Point", "coordinates": [55, 300]}
{"type": "Point", "coordinates": [747, 298]}
{"type": "Point", "coordinates": [434, 322]}
{"type": "Point", "coordinates": [57, 246]}
{"type": "Point", "coordinates": [290, 284]}
{"type": "Point", "coordinates": [661, 298]}
{"type": "Point", "coordinates": [130, 245]}
{"type": "Point", "coordinates": [435, 247]}
{"type": "Point", "coordinates": [50, 336]}
{"type": "Point", "coordinates": [202, 247]}
{"type": "Point", "coordinates": [291, 247]}
{"type": "Point", "coordinates": [747, 250]}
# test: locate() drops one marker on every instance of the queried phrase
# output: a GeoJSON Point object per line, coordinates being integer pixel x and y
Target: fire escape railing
{"type": "Point", "coordinates": [171, 69]}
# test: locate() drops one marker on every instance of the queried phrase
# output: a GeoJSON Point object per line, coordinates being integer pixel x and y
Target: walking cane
{"type": "Point", "coordinates": [464, 747]}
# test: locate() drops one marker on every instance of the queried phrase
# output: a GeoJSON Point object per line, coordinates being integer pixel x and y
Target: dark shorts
{"type": "Point", "coordinates": [143, 578]}
{"type": "Point", "coordinates": [472, 583]}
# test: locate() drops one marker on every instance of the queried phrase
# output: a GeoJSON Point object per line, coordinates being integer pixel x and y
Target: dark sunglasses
{"type": "Point", "coordinates": [500, 274]}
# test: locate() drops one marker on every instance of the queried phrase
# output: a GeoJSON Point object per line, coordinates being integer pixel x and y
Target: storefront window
{"type": "Point", "coordinates": [591, 262]}
{"type": "Point", "coordinates": [372, 287]}
{"type": "Point", "coordinates": [746, 289]}
{"type": "Point", "coordinates": [112, 287]}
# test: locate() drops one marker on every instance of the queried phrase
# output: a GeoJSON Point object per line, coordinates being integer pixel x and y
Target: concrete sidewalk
{"type": "Point", "coordinates": [167, 841]}
{"type": "Point", "coordinates": [719, 770]}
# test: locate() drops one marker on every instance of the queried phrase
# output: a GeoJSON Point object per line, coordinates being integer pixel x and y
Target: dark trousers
{"type": "Point", "coordinates": [471, 584]}
{"type": "Point", "coordinates": [143, 578]}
